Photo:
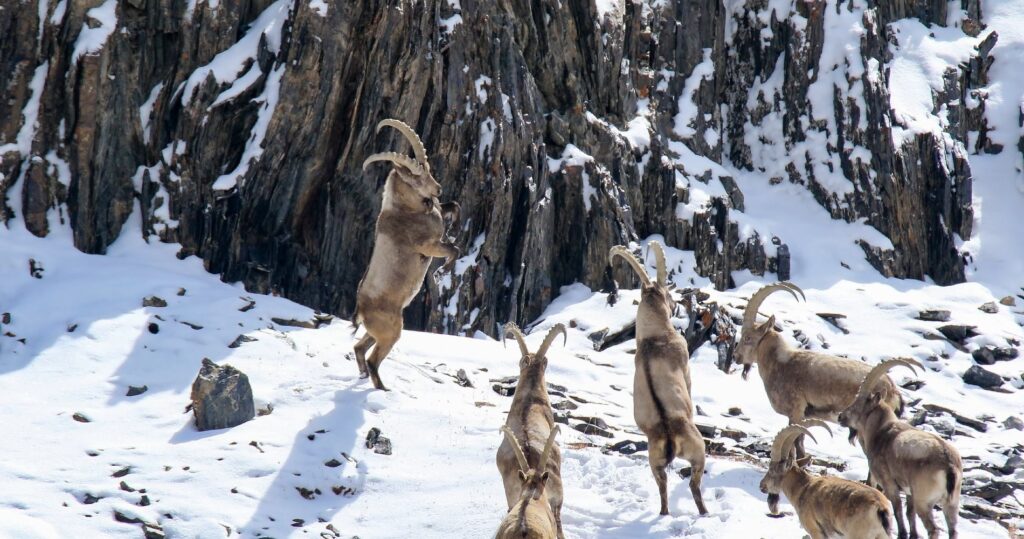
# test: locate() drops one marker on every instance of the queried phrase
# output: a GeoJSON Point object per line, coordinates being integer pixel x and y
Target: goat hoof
{"type": "Point", "coordinates": [364, 374]}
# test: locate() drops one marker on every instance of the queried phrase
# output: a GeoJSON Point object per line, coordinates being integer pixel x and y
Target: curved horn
{"type": "Point", "coordinates": [817, 423]}
{"type": "Point", "coordinates": [659, 262]}
{"type": "Point", "coordinates": [784, 439]}
{"type": "Point", "coordinates": [513, 329]}
{"type": "Point", "coordinates": [619, 250]}
{"type": "Point", "coordinates": [750, 314]}
{"type": "Point", "coordinates": [876, 373]}
{"type": "Point", "coordinates": [412, 137]}
{"type": "Point", "coordinates": [552, 333]}
{"type": "Point", "coordinates": [542, 465]}
{"type": "Point", "coordinates": [518, 451]}
{"type": "Point", "coordinates": [396, 158]}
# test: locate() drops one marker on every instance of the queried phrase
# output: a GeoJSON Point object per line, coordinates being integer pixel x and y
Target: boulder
{"type": "Point", "coordinates": [221, 397]}
{"type": "Point", "coordinates": [982, 377]}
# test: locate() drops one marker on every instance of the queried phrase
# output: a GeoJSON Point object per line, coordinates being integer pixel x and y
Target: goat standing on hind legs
{"type": "Point", "coordinates": [410, 232]}
{"type": "Point", "coordinates": [662, 406]}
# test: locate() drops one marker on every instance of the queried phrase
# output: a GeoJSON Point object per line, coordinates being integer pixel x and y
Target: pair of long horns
{"type": "Point", "coordinates": [750, 314]}
{"type": "Point", "coordinates": [638, 268]}
{"type": "Point", "coordinates": [518, 450]}
{"type": "Point", "coordinates": [512, 329]}
{"type": "Point", "coordinates": [417, 166]}
{"type": "Point", "coordinates": [786, 437]}
{"type": "Point", "coordinates": [876, 374]}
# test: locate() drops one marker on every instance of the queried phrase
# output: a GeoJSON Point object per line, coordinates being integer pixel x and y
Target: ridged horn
{"type": "Point", "coordinates": [398, 159]}
{"type": "Point", "coordinates": [412, 137]}
{"type": "Point", "coordinates": [750, 314]}
{"type": "Point", "coordinates": [876, 374]}
{"type": "Point", "coordinates": [659, 262]}
{"type": "Point", "coordinates": [542, 465]}
{"type": "Point", "coordinates": [516, 449]}
{"type": "Point", "coordinates": [550, 338]}
{"type": "Point", "coordinates": [784, 441]}
{"type": "Point", "coordinates": [638, 268]}
{"type": "Point", "coordinates": [512, 329]}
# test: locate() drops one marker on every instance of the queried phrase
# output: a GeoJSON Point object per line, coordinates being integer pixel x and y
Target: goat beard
{"type": "Point", "coordinates": [773, 503]}
{"type": "Point", "coordinates": [746, 370]}
{"type": "Point", "coordinates": [853, 435]}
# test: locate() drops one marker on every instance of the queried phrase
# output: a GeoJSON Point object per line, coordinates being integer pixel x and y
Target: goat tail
{"type": "Point", "coordinates": [357, 320]}
{"type": "Point", "coordinates": [950, 480]}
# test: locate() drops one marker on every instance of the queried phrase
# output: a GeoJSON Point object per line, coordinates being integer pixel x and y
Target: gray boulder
{"type": "Point", "coordinates": [221, 397]}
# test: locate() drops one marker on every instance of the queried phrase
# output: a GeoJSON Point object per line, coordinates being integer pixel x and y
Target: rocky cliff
{"type": "Point", "coordinates": [238, 129]}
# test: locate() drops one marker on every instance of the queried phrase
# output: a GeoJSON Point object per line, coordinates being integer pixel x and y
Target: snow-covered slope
{"type": "Point", "coordinates": [79, 336]}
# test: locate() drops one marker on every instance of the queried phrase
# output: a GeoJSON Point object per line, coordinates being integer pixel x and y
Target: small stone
{"type": "Point", "coordinates": [565, 405]}
{"type": "Point", "coordinates": [503, 390]}
{"type": "Point", "coordinates": [152, 531]}
{"type": "Point", "coordinates": [733, 434]}
{"type": "Point", "coordinates": [462, 378]}
{"type": "Point", "coordinates": [181, 291]}
{"type": "Point", "coordinates": [240, 340]}
{"type": "Point", "coordinates": [144, 500]}
{"type": "Point", "coordinates": [934, 315]}
{"type": "Point", "coordinates": [154, 301]}
{"type": "Point", "coordinates": [121, 517]}
{"type": "Point", "coordinates": [707, 431]}
{"type": "Point", "coordinates": [1013, 422]}
{"type": "Point", "coordinates": [5, 318]}
{"type": "Point", "coordinates": [136, 390]}
{"type": "Point", "coordinates": [958, 332]}
{"type": "Point", "coordinates": [628, 447]}
{"type": "Point", "coordinates": [89, 499]}
{"type": "Point", "coordinates": [125, 487]}
{"type": "Point", "coordinates": [735, 411]}
{"type": "Point", "coordinates": [588, 428]}
{"type": "Point", "coordinates": [1009, 301]}
{"type": "Point", "coordinates": [153, 328]}
{"type": "Point", "coordinates": [982, 378]}
{"type": "Point", "coordinates": [80, 417]}
{"type": "Point", "coordinates": [990, 307]}
{"type": "Point", "coordinates": [379, 443]}
{"type": "Point", "coordinates": [333, 463]}
{"type": "Point", "coordinates": [221, 397]}
{"type": "Point", "coordinates": [988, 355]}
{"type": "Point", "coordinates": [121, 472]}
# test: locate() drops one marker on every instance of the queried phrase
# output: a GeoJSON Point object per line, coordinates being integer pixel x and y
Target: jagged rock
{"type": "Point", "coordinates": [462, 378]}
{"type": "Point", "coordinates": [934, 315]}
{"type": "Point", "coordinates": [975, 424]}
{"type": "Point", "coordinates": [379, 443]}
{"type": "Point", "coordinates": [240, 340]}
{"type": "Point", "coordinates": [565, 405]}
{"type": "Point", "coordinates": [990, 308]}
{"type": "Point", "coordinates": [1009, 301]}
{"type": "Point", "coordinates": [136, 390]}
{"type": "Point", "coordinates": [706, 430]}
{"type": "Point", "coordinates": [988, 355]}
{"type": "Point", "coordinates": [153, 301]}
{"type": "Point", "coordinates": [628, 447]}
{"type": "Point", "coordinates": [221, 397]}
{"type": "Point", "coordinates": [980, 377]}
{"type": "Point", "coordinates": [1013, 422]}
{"type": "Point", "coordinates": [958, 332]}
{"type": "Point", "coordinates": [80, 417]}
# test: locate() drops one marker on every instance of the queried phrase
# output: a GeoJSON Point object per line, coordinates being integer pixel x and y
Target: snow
{"type": "Point", "coordinates": [146, 110]}
{"type": "Point", "coordinates": [687, 108]}
{"type": "Point", "coordinates": [61, 167]}
{"type": "Point", "coordinates": [91, 40]}
{"type": "Point", "coordinates": [30, 115]}
{"type": "Point", "coordinates": [254, 146]}
{"type": "Point", "coordinates": [232, 482]}
{"type": "Point", "coordinates": [226, 67]}
{"type": "Point", "coordinates": [59, 11]}
{"type": "Point", "coordinates": [448, 24]}
{"type": "Point", "coordinates": [319, 6]}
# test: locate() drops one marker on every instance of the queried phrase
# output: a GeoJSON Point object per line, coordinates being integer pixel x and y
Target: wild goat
{"type": "Point", "coordinates": [410, 231]}
{"type": "Point", "coordinates": [826, 506]}
{"type": "Point", "coordinates": [531, 420]}
{"type": "Point", "coordinates": [661, 385]}
{"type": "Point", "coordinates": [801, 383]}
{"type": "Point", "coordinates": [531, 515]}
{"type": "Point", "coordinates": [902, 458]}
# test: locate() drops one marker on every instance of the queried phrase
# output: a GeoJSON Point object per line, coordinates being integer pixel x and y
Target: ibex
{"type": "Point", "coordinates": [661, 385]}
{"type": "Point", "coordinates": [902, 458]}
{"type": "Point", "coordinates": [826, 506]}
{"type": "Point", "coordinates": [531, 421]}
{"type": "Point", "coordinates": [801, 383]}
{"type": "Point", "coordinates": [531, 515]}
{"type": "Point", "coordinates": [410, 231]}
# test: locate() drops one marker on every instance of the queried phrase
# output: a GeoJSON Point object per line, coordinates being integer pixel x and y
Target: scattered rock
{"type": "Point", "coordinates": [153, 328]}
{"type": "Point", "coordinates": [990, 308]}
{"type": "Point", "coordinates": [503, 390]}
{"type": "Point", "coordinates": [121, 472]}
{"type": "Point", "coordinates": [196, 327]}
{"type": "Point", "coordinates": [462, 378]}
{"type": "Point", "coordinates": [975, 424]}
{"type": "Point", "coordinates": [1012, 464]}
{"type": "Point", "coordinates": [589, 428]}
{"type": "Point", "coordinates": [136, 390]}
{"type": "Point", "coordinates": [5, 318]}
{"type": "Point", "coordinates": [89, 499]}
{"type": "Point", "coordinates": [707, 431]}
{"type": "Point", "coordinates": [307, 494]}
{"type": "Point", "coordinates": [733, 434]}
{"type": "Point", "coordinates": [35, 269]}
{"type": "Point", "coordinates": [934, 315]}
{"type": "Point", "coordinates": [333, 463]}
{"type": "Point", "coordinates": [565, 405]}
{"type": "Point", "coordinates": [249, 304]}
{"type": "Point", "coordinates": [154, 301]}
{"type": "Point", "coordinates": [72, 328]}
{"type": "Point", "coordinates": [1014, 422]}
{"type": "Point", "coordinates": [1009, 301]}
{"type": "Point", "coordinates": [628, 447]}
{"type": "Point", "coordinates": [380, 444]}
{"type": "Point", "coordinates": [266, 410]}
{"type": "Point", "coordinates": [125, 487]}
{"type": "Point", "coordinates": [318, 320]}
{"type": "Point", "coordinates": [982, 377]}
{"type": "Point", "coordinates": [958, 332]}
{"type": "Point", "coordinates": [988, 355]}
{"type": "Point", "coordinates": [240, 340]}
{"type": "Point", "coordinates": [912, 384]}
{"type": "Point", "coordinates": [735, 411]}
{"type": "Point", "coordinates": [152, 531]}
{"type": "Point", "coordinates": [181, 291]}
{"type": "Point", "coordinates": [121, 517]}
{"type": "Point", "coordinates": [834, 318]}
{"type": "Point", "coordinates": [80, 417]}
{"type": "Point", "coordinates": [221, 397]}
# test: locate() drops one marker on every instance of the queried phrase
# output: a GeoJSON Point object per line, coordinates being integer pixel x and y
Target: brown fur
{"type": "Point", "coordinates": [410, 231]}
{"type": "Point", "coordinates": [531, 420]}
{"type": "Point", "coordinates": [902, 458]}
{"type": "Point", "coordinates": [827, 506]}
{"type": "Point", "coordinates": [804, 384]}
{"type": "Point", "coordinates": [662, 407]}
{"type": "Point", "coordinates": [531, 516]}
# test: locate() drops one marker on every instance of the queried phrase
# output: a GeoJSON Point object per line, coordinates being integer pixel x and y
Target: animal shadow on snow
{"type": "Point", "coordinates": [306, 487]}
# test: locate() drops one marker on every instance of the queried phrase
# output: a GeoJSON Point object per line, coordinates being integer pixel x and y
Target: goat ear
{"type": "Point", "coordinates": [522, 475]}
{"type": "Point", "coordinates": [803, 462]}
{"type": "Point", "coordinates": [544, 477]}
{"type": "Point", "coordinates": [876, 397]}
{"type": "Point", "coordinates": [770, 324]}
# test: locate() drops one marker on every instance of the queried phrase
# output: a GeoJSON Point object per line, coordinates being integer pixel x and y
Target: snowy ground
{"type": "Point", "coordinates": [79, 337]}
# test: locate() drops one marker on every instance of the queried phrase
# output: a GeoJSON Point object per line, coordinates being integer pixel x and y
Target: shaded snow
{"type": "Point", "coordinates": [91, 40]}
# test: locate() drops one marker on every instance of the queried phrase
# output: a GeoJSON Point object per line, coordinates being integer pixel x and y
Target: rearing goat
{"type": "Point", "coordinates": [531, 421]}
{"type": "Point", "coordinates": [801, 383]}
{"type": "Point", "coordinates": [902, 458]}
{"type": "Point", "coordinates": [410, 231]}
{"type": "Point", "coordinates": [662, 406]}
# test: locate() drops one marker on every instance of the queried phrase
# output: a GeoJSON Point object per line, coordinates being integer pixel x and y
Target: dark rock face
{"type": "Point", "coordinates": [255, 167]}
{"type": "Point", "coordinates": [981, 377]}
{"type": "Point", "coordinates": [221, 397]}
